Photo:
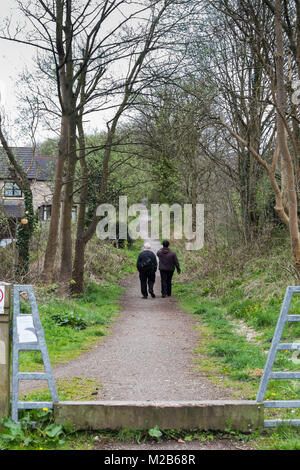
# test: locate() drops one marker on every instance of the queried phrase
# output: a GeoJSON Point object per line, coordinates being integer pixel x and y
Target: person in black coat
{"type": "Point", "coordinates": [167, 263]}
{"type": "Point", "coordinates": [147, 266]}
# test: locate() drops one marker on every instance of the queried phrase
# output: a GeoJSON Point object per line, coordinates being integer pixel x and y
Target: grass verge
{"type": "Point", "coordinates": [73, 325]}
{"type": "Point", "coordinates": [236, 299]}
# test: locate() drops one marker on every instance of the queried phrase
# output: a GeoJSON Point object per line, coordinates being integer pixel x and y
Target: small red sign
{"type": "Point", "coordinates": [2, 295]}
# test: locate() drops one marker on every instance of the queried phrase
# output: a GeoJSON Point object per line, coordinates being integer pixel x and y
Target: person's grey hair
{"type": "Point", "coordinates": [147, 246]}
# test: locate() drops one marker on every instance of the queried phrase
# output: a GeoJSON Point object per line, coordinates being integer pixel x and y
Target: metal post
{"type": "Point", "coordinates": [28, 335]}
{"type": "Point", "coordinates": [5, 339]}
{"type": "Point", "coordinates": [276, 346]}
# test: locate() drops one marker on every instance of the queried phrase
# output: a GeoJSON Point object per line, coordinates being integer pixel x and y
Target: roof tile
{"type": "Point", "coordinates": [39, 168]}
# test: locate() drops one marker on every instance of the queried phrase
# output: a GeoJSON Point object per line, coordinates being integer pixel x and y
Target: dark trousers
{"type": "Point", "coordinates": [147, 279]}
{"type": "Point", "coordinates": [166, 282]}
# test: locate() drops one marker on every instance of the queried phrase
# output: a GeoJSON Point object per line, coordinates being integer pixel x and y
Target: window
{"type": "Point", "coordinates": [74, 212]}
{"type": "Point", "coordinates": [11, 189]}
{"type": "Point", "coordinates": [45, 212]}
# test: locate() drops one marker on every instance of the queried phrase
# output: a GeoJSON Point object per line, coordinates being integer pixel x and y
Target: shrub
{"type": "Point", "coordinates": [70, 319]}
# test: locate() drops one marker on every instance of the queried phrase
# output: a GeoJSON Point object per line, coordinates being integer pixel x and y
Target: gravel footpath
{"type": "Point", "coordinates": [148, 356]}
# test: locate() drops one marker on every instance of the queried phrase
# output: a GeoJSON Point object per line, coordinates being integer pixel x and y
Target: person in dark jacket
{"type": "Point", "coordinates": [147, 266]}
{"type": "Point", "coordinates": [167, 263]}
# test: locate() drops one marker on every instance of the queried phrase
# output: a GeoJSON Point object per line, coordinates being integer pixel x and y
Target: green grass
{"type": "Point", "coordinates": [230, 298]}
{"type": "Point", "coordinates": [60, 317]}
{"type": "Point", "coordinates": [282, 438]}
{"type": "Point", "coordinates": [229, 353]}
{"type": "Point", "coordinates": [222, 290]}
{"type": "Point", "coordinates": [68, 389]}
{"type": "Point", "coordinates": [74, 325]}
{"type": "Point", "coordinates": [46, 435]}
{"type": "Point", "coordinates": [106, 263]}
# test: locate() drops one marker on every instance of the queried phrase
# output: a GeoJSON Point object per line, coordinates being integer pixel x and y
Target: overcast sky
{"type": "Point", "coordinates": [13, 58]}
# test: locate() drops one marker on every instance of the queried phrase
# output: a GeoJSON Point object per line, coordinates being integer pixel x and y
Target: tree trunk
{"type": "Point", "coordinates": [68, 101]}
{"type": "Point", "coordinates": [282, 140]}
{"type": "Point", "coordinates": [52, 244]}
{"type": "Point", "coordinates": [65, 273]}
{"type": "Point", "coordinates": [79, 256]}
{"type": "Point", "coordinates": [78, 266]}
{"type": "Point", "coordinates": [63, 50]}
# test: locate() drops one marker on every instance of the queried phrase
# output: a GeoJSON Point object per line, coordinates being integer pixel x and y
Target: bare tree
{"type": "Point", "coordinates": [136, 79]}
{"type": "Point", "coordinates": [85, 40]}
{"type": "Point", "coordinates": [282, 158]}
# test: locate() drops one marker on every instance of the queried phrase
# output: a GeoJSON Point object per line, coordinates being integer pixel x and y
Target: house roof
{"type": "Point", "coordinates": [40, 168]}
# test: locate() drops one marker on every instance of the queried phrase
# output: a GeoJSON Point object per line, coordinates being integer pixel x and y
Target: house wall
{"type": "Point", "coordinates": [41, 193]}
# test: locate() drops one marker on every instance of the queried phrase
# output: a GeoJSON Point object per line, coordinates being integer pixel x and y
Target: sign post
{"type": "Point", "coordinates": [5, 303]}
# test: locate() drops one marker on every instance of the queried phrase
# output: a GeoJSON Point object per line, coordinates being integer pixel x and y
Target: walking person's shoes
{"type": "Point", "coordinates": [163, 296]}
{"type": "Point", "coordinates": [152, 294]}
{"type": "Point", "coordinates": [145, 297]}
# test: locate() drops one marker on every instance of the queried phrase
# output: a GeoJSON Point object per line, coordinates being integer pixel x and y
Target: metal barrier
{"type": "Point", "coordinates": [28, 335]}
{"type": "Point", "coordinates": [276, 346]}
{"type": "Point", "coordinates": [5, 298]}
